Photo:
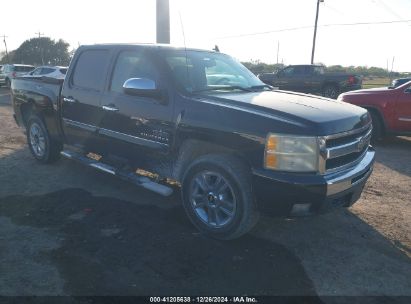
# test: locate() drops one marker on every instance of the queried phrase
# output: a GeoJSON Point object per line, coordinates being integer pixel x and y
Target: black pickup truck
{"type": "Point", "coordinates": [159, 117]}
{"type": "Point", "coordinates": [312, 79]}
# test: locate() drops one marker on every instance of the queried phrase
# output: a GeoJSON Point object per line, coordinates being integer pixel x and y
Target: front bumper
{"type": "Point", "coordinates": [281, 193]}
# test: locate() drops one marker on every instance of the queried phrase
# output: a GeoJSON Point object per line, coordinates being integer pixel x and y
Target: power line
{"type": "Point", "coordinates": [310, 26]}
{"type": "Point", "coordinates": [388, 8]}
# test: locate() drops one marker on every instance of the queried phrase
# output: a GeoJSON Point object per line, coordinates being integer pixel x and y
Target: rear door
{"type": "Point", "coordinates": [136, 126]}
{"type": "Point", "coordinates": [80, 98]}
{"type": "Point", "coordinates": [403, 109]}
{"type": "Point", "coordinates": [292, 79]}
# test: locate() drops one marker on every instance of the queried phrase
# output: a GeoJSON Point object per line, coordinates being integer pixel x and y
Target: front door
{"type": "Point", "coordinates": [292, 79]}
{"type": "Point", "coordinates": [136, 126]}
{"type": "Point", "coordinates": [80, 98]}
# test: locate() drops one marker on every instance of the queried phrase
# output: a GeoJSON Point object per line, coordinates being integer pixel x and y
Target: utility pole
{"type": "Point", "coordinates": [163, 21]}
{"type": "Point", "coordinates": [278, 49]}
{"type": "Point", "coordinates": [315, 30]}
{"type": "Point", "coordinates": [5, 45]}
{"type": "Point", "coordinates": [392, 68]}
{"type": "Point", "coordinates": [40, 34]}
{"type": "Point", "coordinates": [41, 49]}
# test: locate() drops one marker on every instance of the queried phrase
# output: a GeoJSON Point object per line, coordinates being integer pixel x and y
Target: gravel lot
{"type": "Point", "coordinates": [68, 230]}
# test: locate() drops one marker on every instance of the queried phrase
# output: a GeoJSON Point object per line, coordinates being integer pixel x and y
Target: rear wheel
{"type": "Point", "coordinates": [42, 146]}
{"type": "Point", "coordinates": [330, 91]}
{"type": "Point", "coordinates": [217, 197]}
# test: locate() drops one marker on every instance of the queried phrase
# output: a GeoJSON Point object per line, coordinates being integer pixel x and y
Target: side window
{"type": "Point", "coordinates": [36, 72]}
{"type": "Point", "coordinates": [299, 71]}
{"type": "Point", "coordinates": [182, 68]}
{"type": "Point", "coordinates": [90, 69]}
{"type": "Point", "coordinates": [309, 70]}
{"type": "Point", "coordinates": [288, 72]}
{"type": "Point", "coordinates": [45, 71]}
{"type": "Point", "coordinates": [318, 70]}
{"type": "Point", "coordinates": [131, 64]}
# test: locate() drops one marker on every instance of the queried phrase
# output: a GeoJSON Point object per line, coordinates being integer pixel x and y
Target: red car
{"type": "Point", "coordinates": [390, 108]}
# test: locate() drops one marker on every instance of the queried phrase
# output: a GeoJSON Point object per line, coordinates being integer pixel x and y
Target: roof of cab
{"type": "Point", "coordinates": [149, 45]}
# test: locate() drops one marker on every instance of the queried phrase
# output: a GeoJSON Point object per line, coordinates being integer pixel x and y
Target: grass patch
{"type": "Point", "coordinates": [375, 82]}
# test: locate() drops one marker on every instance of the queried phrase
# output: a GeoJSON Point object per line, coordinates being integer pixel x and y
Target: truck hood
{"type": "Point", "coordinates": [321, 115]}
{"type": "Point", "coordinates": [384, 90]}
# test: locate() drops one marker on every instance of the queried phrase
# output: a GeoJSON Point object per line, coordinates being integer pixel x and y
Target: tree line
{"type": "Point", "coordinates": [46, 51]}
{"type": "Point", "coordinates": [39, 51]}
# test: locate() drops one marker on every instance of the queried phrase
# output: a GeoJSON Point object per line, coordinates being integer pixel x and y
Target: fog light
{"type": "Point", "coordinates": [300, 209]}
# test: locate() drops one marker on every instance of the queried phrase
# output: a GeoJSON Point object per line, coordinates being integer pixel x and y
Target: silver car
{"type": "Point", "coordinates": [11, 71]}
{"type": "Point", "coordinates": [57, 72]}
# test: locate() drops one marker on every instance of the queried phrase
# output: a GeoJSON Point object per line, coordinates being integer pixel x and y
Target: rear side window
{"type": "Point", "coordinates": [23, 68]}
{"type": "Point", "coordinates": [36, 72]}
{"type": "Point", "coordinates": [45, 71]}
{"type": "Point", "coordinates": [90, 69]}
{"type": "Point", "coordinates": [318, 70]}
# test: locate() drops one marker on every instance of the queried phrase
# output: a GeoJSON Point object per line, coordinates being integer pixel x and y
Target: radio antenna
{"type": "Point", "coordinates": [185, 46]}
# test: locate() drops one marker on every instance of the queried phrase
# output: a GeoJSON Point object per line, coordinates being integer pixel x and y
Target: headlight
{"type": "Point", "coordinates": [291, 153]}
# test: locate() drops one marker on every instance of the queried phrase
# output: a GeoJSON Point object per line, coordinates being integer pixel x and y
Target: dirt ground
{"type": "Point", "coordinates": [69, 230]}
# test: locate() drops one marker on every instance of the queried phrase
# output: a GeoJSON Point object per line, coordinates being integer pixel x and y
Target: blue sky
{"type": "Point", "coordinates": [210, 22]}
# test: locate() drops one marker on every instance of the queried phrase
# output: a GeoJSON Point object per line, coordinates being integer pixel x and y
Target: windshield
{"type": "Point", "coordinates": [198, 71]}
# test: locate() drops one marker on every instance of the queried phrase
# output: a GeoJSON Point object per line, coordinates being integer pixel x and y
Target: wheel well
{"type": "Point", "coordinates": [26, 109]}
{"type": "Point", "coordinates": [377, 113]}
{"type": "Point", "coordinates": [192, 149]}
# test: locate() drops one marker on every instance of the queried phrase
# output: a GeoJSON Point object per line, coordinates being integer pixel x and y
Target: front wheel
{"type": "Point", "coordinates": [330, 91]}
{"type": "Point", "coordinates": [217, 197]}
{"type": "Point", "coordinates": [42, 146]}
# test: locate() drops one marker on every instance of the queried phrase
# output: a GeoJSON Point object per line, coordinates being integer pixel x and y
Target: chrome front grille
{"type": "Point", "coordinates": [339, 151]}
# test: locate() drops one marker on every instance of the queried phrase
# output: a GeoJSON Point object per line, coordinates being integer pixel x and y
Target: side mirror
{"type": "Point", "coordinates": [407, 90]}
{"type": "Point", "coordinates": [143, 87]}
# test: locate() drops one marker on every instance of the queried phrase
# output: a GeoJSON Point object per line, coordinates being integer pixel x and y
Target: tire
{"type": "Point", "coordinates": [218, 198]}
{"type": "Point", "coordinates": [42, 147]}
{"type": "Point", "coordinates": [377, 128]}
{"type": "Point", "coordinates": [330, 91]}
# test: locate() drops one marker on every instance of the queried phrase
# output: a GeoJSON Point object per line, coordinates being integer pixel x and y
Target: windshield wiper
{"type": "Point", "coordinates": [262, 86]}
{"type": "Point", "coordinates": [228, 87]}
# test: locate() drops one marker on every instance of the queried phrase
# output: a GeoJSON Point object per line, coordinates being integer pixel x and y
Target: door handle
{"type": "Point", "coordinates": [110, 108]}
{"type": "Point", "coordinates": [69, 99]}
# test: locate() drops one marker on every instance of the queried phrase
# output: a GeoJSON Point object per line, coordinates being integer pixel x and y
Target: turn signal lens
{"type": "Point", "coordinates": [271, 161]}
{"type": "Point", "coordinates": [272, 143]}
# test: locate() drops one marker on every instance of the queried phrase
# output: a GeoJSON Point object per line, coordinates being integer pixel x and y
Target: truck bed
{"type": "Point", "coordinates": [36, 89]}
